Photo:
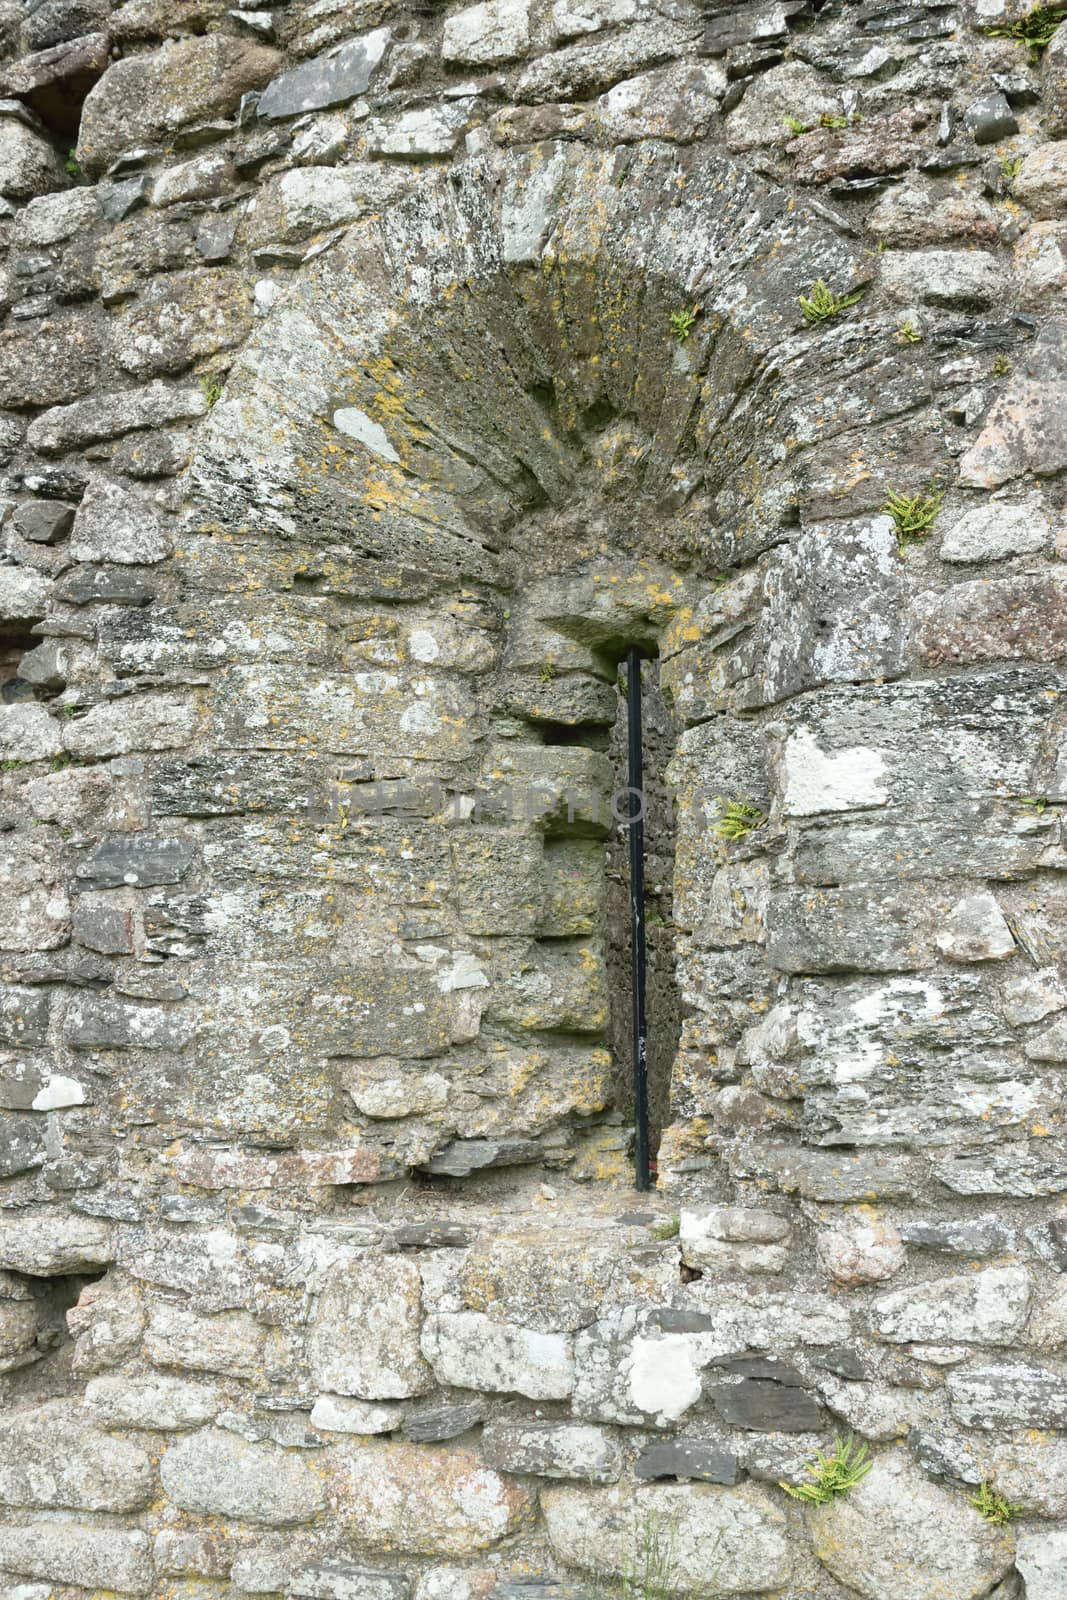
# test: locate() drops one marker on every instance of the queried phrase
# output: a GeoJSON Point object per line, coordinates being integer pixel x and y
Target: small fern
{"type": "Point", "coordinates": [1002, 365]}
{"type": "Point", "coordinates": [832, 1475]}
{"type": "Point", "coordinates": [211, 389]}
{"type": "Point", "coordinates": [682, 323]}
{"type": "Point", "coordinates": [1035, 30]}
{"type": "Point", "coordinates": [546, 672]}
{"type": "Point", "coordinates": [908, 333]}
{"type": "Point", "coordinates": [913, 515]}
{"type": "Point", "coordinates": [796, 127]}
{"type": "Point", "coordinates": [993, 1506]}
{"type": "Point", "coordinates": [820, 303]}
{"type": "Point", "coordinates": [737, 818]}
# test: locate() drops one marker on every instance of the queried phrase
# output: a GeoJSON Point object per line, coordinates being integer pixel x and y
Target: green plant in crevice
{"type": "Point", "coordinates": [73, 165]}
{"type": "Point", "coordinates": [670, 1229]}
{"type": "Point", "coordinates": [682, 322]}
{"type": "Point", "coordinates": [211, 389]}
{"type": "Point", "coordinates": [1035, 30]}
{"type": "Point", "coordinates": [993, 1506]}
{"type": "Point", "coordinates": [821, 303]}
{"type": "Point", "coordinates": [913, 515]}
{"type": "Point", "coordinates": [737, 818]}
{"type": "Point", "coordinates": [1034, 802]}
{"type": "Point", "coordinates": [796, 127]}
{"type": "Point", "coordinates": [1002, 365]}
{"type": "Point", "coordinates": [834, 1474]}
{"type": "Point", "coordinates": [546, 672]}
{"type": "Point", "coordinates": [908, 333]}
{"type": "Point", "coordinates": [649, 1570]}
{"type": "Point", "coordinates": [1009, 168]}
{"type": "Point", "coordinates": [835, 120]}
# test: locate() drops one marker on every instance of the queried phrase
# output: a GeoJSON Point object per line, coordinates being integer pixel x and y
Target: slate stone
{"type": "Point", "coordinates": [44, 521]}
{"type": "Point", "coordinates": [963, 1236]}
{"type": "Point", "coordinates": [139, 860]}
{"type": "Point", "coordinates": [338, 1579]}
{"type": "Point", "coordinates": [22, 1145]}
{"type": "Point", "coordinates": [432, 1236]}
{"type": "Point", "coordinates": [434, 1423]}
{"type": "Point", "coordinates": [990, 118]}
{"type": "Point", "coordinates": [1015, 1394]}
{"type": "Point", "coordinates": [688, 1458]}
{"type": "Point", "coordinates": [461, 1157]}
{"type": "Point", "coordinates": [23, 1015]}
{"type": "Point", "coordinates": [331, 79]}
{"type": "Point", "coordinates": [89, 585]}
{"type": "Point", "coordinates": [766, 1406]}
{"type": "Point", "coordinates": [552, 1450]}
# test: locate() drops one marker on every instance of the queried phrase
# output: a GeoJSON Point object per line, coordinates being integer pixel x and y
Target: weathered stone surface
{"type": "Point", "coordinates": [28, 732]}
{"type": "Point", "coordinates": [330, 1414]}
{"type": "Point", "coordinates": [1041, 181]}
{"type": "Point", "coordinates": [294, 205]}
{"type": "Point", "coordinates": [997, 619]}
{"type": "Point", "coordinates": [179, 318]}
{"type": "Point", "coordinates": [496, 30]}
{"type": "Point", "coordinates": [59, 359]}
{"type": "Point", "coordinates": [148, 97]}
{"type": "Point", "coordinates": [580, 70]}
{"type": "Point", "coordinates": [975, 930]}
{"type": "Point", "coordinates": [18, 1330]}
{"type": "Point", "coordinates": [1012, 1393]}
{"type": "Point", "coordinates": [729, 1238]}
{"type": "Point", "coordinates": [896, 1528]}
{"type": "Point", "coordinates": [114, 525]}
{"type": "Point", "coordinates": [675, 102]}
{"type": "Point", "coordinates": [203, 178]}
{"type": "Point", "coordinates": [424, 1501]}
{"type": "Point", "coordinates": [467, 1349]}
{"type": "Point", "coordinates": [231, 1342]}
{"type": "Point", "coordinates": [49, 1457]}
{"type": "Point", "coordinates": [365, 1339]}
{"type": "Point", "coordinates": [1041, 1558]}
{"type": "Point", "coordinates": [329, 80]}
{"type": "Point", "coordinates": [765, 1405]}
{"type": "Point", "coordinates": [140, 861]}
{"type": "Point", "coordinates": [218, 1474]}
{"type": "Point", "coordinates": [24, 595]}
{"type": "Point", "coordinates": [550, 1450]}
{"type": "Point", "coordinates": [153, 1402]}
{"type": "Point", "coordinates": [731, 1539]}
{"type": "Point", "coordinates": [64, 1552]}
{"type": "Point", "coordinates": [943, 277]}
{"type": "Point", "coordinates": [861, 1252]}
{"type": "Point", "coordinates": [106, 1325]}
{"type": "Point", "coordinates": [142, 722]}
{"type": "Point", "coordinates": [44, 521]}
{"type": "Point", "coordinates": [867, 148]}
{"type": "Point", "coordinates": [107, 416]}
{"type": "Point", "coordinates": [43, 1241]}
{"type": "Point", "coordinates": [996, 531]}
{"type": "Point", "coordinates": [1025, 430]}
{"type": "Point", "coordinates": [792, 89]}
{"type": "Point", "coordinates": [431, 1423]}
{"type": "Point", "coordinates": [28, 164]}
{"type": "Point", "coordinates": [914, 213]}
{"type": "Point", "coordinates": [989, 1307]}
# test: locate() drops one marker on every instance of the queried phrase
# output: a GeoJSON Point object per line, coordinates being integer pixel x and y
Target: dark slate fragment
{"type": "Point", "coordinates": [325, 1580]}
{"type": "Point", "coordinates": [21, 1143]}
{"type": "Point", "coordinates": [23, 1015]}
{"type": "Point", "coordinates": [431, 1424]}
{"type": "Point", "coordinates": [140, 861]}
{"type": "Point", "coordinates": [44, 521]}
{"type": "Point", "coordinates": [88, 586]}
{"type": "Point", "coordinates": [687, 1458]}
{"type": "Point", "coordinates": [990, 118]}
{"type": "Point", "coordinates": [765, 1367]}
{"type": "Point", "coordinates": [764, 1406]}
{"type": "Point", "coordinates": [463, 1156]}
{"type": "Point", "coordinates": [432, 1236]}
{"type": "Point", "coordinates": [963, 1236]}
{"type": "Point", "coordinates": [329, 80]}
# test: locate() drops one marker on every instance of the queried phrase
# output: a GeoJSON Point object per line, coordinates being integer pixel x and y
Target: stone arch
{"type": "Point", "coordinates": [473, 422]}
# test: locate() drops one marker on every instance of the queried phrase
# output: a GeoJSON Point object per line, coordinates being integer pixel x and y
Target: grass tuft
{"type": "Point", "coordinates": [832, 1475]}
{"type": "Point", "coordinates": [1035, 30]}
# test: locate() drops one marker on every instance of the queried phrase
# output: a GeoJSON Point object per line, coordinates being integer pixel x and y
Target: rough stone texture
{"type": "Point", "coordinates": [733, 1539]}
{"type": "Point", "coordinates": [897, 1529]}
{"type": "Point", "coordinates": [149, 97]}
{"type": "Point", "coordinates": [217, 1474]}
{"type": "Point", "coordinates": [424, 1501]}
{"type": "Point", "coordinates": [408, 365]}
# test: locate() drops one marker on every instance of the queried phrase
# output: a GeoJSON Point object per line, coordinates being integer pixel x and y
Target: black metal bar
{"type": "Point", "coordinates": [642, 1170]}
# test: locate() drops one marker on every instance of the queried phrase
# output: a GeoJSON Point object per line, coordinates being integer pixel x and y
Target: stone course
{"type": "Point", "coordinates": [371, 377]}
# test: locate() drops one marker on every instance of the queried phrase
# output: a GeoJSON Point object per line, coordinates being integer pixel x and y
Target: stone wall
{"type": "Point", "coordinates": [373, 375]}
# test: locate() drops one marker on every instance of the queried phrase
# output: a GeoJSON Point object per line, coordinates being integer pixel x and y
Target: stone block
{"type": "Point", "coordinates": [701, 1460]}
{"type": "Point", "coordinates": [1041, 181]}
{"type": "Point", "coordinates": [146, 98]}
{"type": "Point", "coordinates": [142, 722]}
{"type": "Point", "coordinates": [90, 1558]}
{"type": "Point", "coordinates": [23, 1015]}
{"type": "Point", "coordinates": [364, 1338]}
{"type": "Point", "coordinates": [1014, 1394]}
{"type": "Point", "coordinates": [155, 1402]}
{"type": "Point", "coordinates": [217, 1474]}
{"type": "Point", "coordinates": [988, 1307]}
{"type": "Point", "coordinates": [230, 1343]}
{"type": "Point", "coordinates": [470, 1351]}
{"type": "Point", "coordinates": [728, 1540]}
{"type": "Point", "coordinates": [998, 530]}
{"type": "Point", "coordinates": [110, 415]}
{"type": "Point", "coordinates": [50, 1458]}
{"type": "Point", "coordinates": [28, 163]}
{"type": "Point", "coordinates": [943, 277]}
{"type": "Point", "coordinates": [732, 1239]}
{"type": "Point", "coordinates": [896, 1532]}
{"type": "Point", "coordinates": [180, 317]}
{"type": "Point", "coordinates": [550, 1450]}
{"type": "Point", "coordinates": [331, 1414]}
{"type": "Point", "coordinates": [975, 930]}
{"type": "Point", "coordinates": [137, 860]}
{"type": "Point", "coordinates": [422, 1501]}
{"type": "Point", "coordinates": [112, 524]}
{"type": "Point", "coordinates": [998, 619]}
{"type": "Point", "coordinates": [482, 35]}
{"type": "Point", "coordinates": [331, 79]}
{"type": "Point", "coordinates": [101, 1023]}
{"type": "Point", "coordinates": [60, 359]}
{"type": "Point", "coordinates": [43, 1241]}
